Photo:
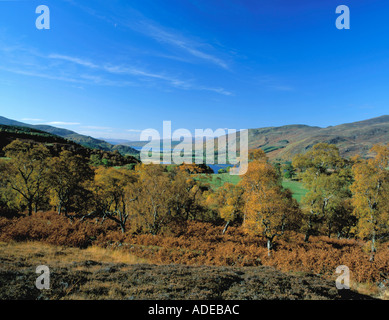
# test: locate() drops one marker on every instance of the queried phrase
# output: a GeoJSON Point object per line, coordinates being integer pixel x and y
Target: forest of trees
{"type": "Point", "coordinates": [346, 198]}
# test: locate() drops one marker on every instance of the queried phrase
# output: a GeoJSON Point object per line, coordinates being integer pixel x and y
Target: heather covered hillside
{"type": "Point", "coordinates": [97, 274]}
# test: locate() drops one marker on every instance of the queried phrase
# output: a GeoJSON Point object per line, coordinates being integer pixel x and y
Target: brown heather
{"type": "Point", "coordinates": [197, 243]}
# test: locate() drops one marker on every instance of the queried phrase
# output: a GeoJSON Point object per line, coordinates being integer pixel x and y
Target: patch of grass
{"type": "Point", "coordinates": [296, 187]}
{"type": "Point", "coordinates": [38, 253]}
{"type": "Point", "coordinates": [218, 180]}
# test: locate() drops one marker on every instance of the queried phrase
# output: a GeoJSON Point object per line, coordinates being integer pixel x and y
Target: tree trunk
{"type": "Point", "coordinates": [226, 227]}
{"type": "Point", "coordinates": [269, 246]}
{"type": "Point", "coordinates": [30, 208]}
{"type": "Point", "coordinates": [329, 230]}
{"type": "Point", "coordinates": [306, 238]}
{"type": "Point", "coordinates": [373, 246]}
{"type": "Point", "coordinates": [308, 232]}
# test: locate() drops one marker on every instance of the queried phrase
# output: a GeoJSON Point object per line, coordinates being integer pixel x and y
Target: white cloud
{"type": "Point", "coordinates": [142, 73]}
{"type": "Point", "coordinates": [97, 128]}
{"type": "Point", "coordinates": [133, 130]}
{"type": "Point", "coordinates": [30, 62]}
{"type": "Point", "coordinates": [30, 119]}
{"type": "Point", "coordinates": [78, 61]}
{"type": "Point", "coordinates": [149, 28]}
{"type": "Point", "coordinates": [62, 123]}
{"type": "Point", "coordinates": [177, 40]}
{"type": "Point", "coordinates": [39, 75]}
{"type": "Point", "coordinates": [217, 90]}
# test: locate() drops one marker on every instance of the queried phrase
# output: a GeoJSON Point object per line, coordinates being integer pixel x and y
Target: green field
{"type": "Point", "coordinates": [217, 180]}
{"type": "Point", "coordinates": [296, 187]}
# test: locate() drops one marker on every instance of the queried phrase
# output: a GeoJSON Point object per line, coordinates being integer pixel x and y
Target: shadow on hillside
{"type": "Point", "coordinates": [10, 214]}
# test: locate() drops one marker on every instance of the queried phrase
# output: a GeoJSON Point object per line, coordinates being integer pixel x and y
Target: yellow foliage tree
{"type": "Point", "coordinates": [161, 197]}
{"type": "Point", "coordinates": [228, 202]}
{"type": "Point", "coordinates": [257, 154]}
{"type": "Point", "coordinates": [113, 193]}
{"type": "Point", "coordinates": [26, 171]}
{"type": "Point", "coordinates": [327, 177]}
{"type": "Point", "coordinates": [371, 195]}
{"type": "Point", "coordinates": [68, 175]}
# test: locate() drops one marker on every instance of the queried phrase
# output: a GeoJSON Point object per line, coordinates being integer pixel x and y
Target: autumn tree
{"type": "Point", "coordinates": [185, 200]}
{"type": "Point", "coordinates": [112, 192]}
{"type": "Point", "coordinates": [151, 211]}
{"type": "Point", "coordinates": [289, 171]}
{"type": "Point", "coordinates": [68, 174]}
{"type": "Point", "coordinates": [193, 168]}
{"type": "Point", "coordinates": [371, 195]}
{"type": "Point", "coordinates": [26, 171]}
{"type": "Point", "coordinates": [327, 177]}
{"type": "Point", "coordinates": [342, 220]}
{"type": "Point", "coordinates": [228, 201]}
{"type": "Point", "coordinates": [161, 197]}
{"type": "Point", "coordinates": [270, 210]}
{"type": "Point", "coordinates": [257, 154]}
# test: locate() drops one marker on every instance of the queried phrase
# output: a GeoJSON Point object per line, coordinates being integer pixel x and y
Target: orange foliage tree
{"type": "Point", "coordinates": [269, 209]}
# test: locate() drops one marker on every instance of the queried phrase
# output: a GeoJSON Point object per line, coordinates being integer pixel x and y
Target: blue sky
{"type": "Point", "coordinates": [113, 68]}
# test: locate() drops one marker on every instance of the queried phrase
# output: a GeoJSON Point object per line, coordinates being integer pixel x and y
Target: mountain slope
{"type": "Point", "coordinates": [283, 143]}
{"type": "Point", "coordinates": [83, 140]}
{"type": "Point", "coordinates": [9, 133]}
{"type": "Point", "coordinates": [351, 138]}
{"type": "Point", "coordinates": [55, 144]}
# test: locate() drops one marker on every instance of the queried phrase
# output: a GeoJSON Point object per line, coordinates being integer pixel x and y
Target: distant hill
{"type": "Point", "coordinates": [9, 133]}
{"type": "Point", "coordinates": [117, 141]}
{"type": "Point", "coordinates": [83, 140]}
{"type": "Point", "coordinates": [282, 143]}
{"type": "Point", "coordinates": [56, 144]}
